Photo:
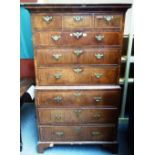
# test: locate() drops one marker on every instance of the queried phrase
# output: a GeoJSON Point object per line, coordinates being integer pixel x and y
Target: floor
{"type": "Point", "coordinates": [29, 138]}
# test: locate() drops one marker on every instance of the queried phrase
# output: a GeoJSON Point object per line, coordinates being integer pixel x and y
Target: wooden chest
{"type": "Point", "coordinates": [77, 53]}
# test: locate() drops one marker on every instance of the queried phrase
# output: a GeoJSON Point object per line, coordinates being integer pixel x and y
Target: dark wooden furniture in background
{"type": "Point", "coordinates": [27, 68]}
{"type": "Point", "coordinates": [77, 52]}
{"type": "Point", "coordinates": [25, 83]}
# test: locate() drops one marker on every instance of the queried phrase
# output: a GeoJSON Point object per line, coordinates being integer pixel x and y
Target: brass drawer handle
{"type": "Point", "coordinates": [95, 133]}
{"type": "Point", "coordinates": [56, 37]}
{"type": "Point", "coordinates": [77, 35]}
{"type": "Point", "coordinates": [77, 18]}
{"type": "Point", "coordinates": [99, 56]}
{"type": "Point", "coordinates": [57, 117]}
{"type": "Point", "coordinates": [57, 99]}
{"type": "Point", "coordinates": [77, 70]}
{"type": "Point", "coordinates": [78, 52]}
{"type": "Point", "coordinates": [77, 94]}
{"type": "Point", "coordinates": [57, 56]}
{"type": "Point", "coordinates": [77, 112]}
{"type": "Point", "coordinates": [99, 37]}
{"type": "Point", "coordinates": [98, 99]}
{"type": "Point", "coordinates": [98, 75]}
{"type": "Point", "coordinates": [59, 133]}
{"type": "Point", "coordinates": [57, 75]}
{"type": "Point", "coordinates": [47, 18]}
{"type": "Point", "coordinates": [108, 18]}
{"type": "Point", "coordinates": [77, 129]}
{"type": "Point", "coordinates": [97, 116]}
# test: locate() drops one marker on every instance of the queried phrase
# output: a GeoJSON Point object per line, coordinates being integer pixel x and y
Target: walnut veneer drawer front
{"type": "Point", "coordinates": [46, 21]}
{"type": "Point", "coordinates": [78, 133]}
{"type": "Point", "coordinates": [76, 38]}
{"type": "Point", "coordinates": [72, 75]}
{"type": "Point", "coordinates": [48, 57]}
{"type": "Point", "coordinates": [74, 115]}
{"type": "Point", "coordinates": [59, 98]}
{"type": "Point", "coordinates": [109, 21]}
{"type": "Point", "coordinates": [78, 21]}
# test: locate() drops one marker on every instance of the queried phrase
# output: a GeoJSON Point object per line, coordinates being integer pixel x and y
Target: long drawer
{"type": "Point", "coordinates": [77, 115]}
{"type": "Point", "coordinates": [78, 133]}
{"type": "Point", "coordinates": [78, 97]}
{"type": "Point", "coordinates": [97, 55]}
{"type": "Point", "coordinates": [76, 38]}
{"type": "Point", "coordinates": [73, 75]}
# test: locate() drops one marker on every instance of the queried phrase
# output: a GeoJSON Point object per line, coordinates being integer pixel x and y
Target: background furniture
{"type": "Point", "coordinates": [25, 83]}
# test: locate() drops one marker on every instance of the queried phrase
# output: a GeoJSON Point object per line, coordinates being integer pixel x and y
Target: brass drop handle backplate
{"type": "Point", "coordinates": [95, 133]}
{"type": "Point", "coordinates": [98, 75]}
{"type": "Point", "coordinates": [99, 55]}
{"type": "Point", "coordinates": [77, 112]}
{"type": "Point", "coordinates": [78, 52]}
{"type": "Point", "coordinates": [77, 35]}
{"type": "Point", "coordinates": [57, 99]}
{"type": "Point", "coordinates": [108, 18]}
{"type": "Point", "coordinates": [77, 18]}
{"type": "Point", "coordinates": [56, 37]}
{"type": "Point", "coordinates": [96, 116]}
{"type": "Point", "coordinates": [57, 75]}
{"type": "Point", "coordinates": [59, 133]}
{"type": "Point", "coordinates": [99, 37]}
{"type": "Point", "coordinates": [57, 56]}
{"type": "Point", "coordinates": [57, 117]}
{"type": "Point", "coordinates": [98, 99]}
{"type": "Point", "coordinates": [78, 129]}
{"type": "Point", "coordinates": [47, 18]}
{"type": "Point", "coordinates": [77, 94]}
{"type": "Point", "coordinates": [77, 70]}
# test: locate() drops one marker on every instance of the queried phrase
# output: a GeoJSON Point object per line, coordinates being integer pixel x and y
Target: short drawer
{"type": "Point", "coordinates": [78, 133]}
{"type": "Point", "coordinates": [77, 115]}
{"type": "Point", "coordinates": [110, 21]}
{"type": "Point", "coordinates": [48, 57]}
{"type": "Point", "coordinates": [73, 75]}
{"type": "Point", "coordinates": [46, 21]}
{"type": "Point", "coordinates": [78, 97]}
{"type": "Point", "coordinates": [77, 38]}
{"type": "Point", "coordinates": [71, 21]}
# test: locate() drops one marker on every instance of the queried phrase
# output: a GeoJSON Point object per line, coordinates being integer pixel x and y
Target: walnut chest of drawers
{"type": "Point", "coordinates": [77, 53]}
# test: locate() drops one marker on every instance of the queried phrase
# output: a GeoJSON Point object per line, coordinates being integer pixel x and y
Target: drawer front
{"type": "Point", "coordinates": [78, 133]}
{"type": "Point", "coordinates": [72, 75]}
{"type": "Point", "coordinates": [109, 21]}
{"type": "Point", "coordinates": [76, 38]}
{"type": "Point", "coordinates": [59, 98]}
{"type": "Point", "coordinates": [78, 21]}
{"type": "Point", "coordinates": [46, 21]}
{"type": "Point", "coordinates": [48, 57]}
{"type": "Point", "coordinates": [72, 115]}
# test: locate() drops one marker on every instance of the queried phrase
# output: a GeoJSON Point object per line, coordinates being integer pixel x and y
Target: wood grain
{"type": "Point", "coordinates": [78, 133]}
{"type": "Point", "coordinates": [46, 57]}
{"type": "Point", "coordinates": [76, 98]}
{"type": "Point", "coordinates": [87, 76]}
{"type": "Point", "coordinates": [44, 38]}
{"type": "Point", "coordinates": [81, 115]}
